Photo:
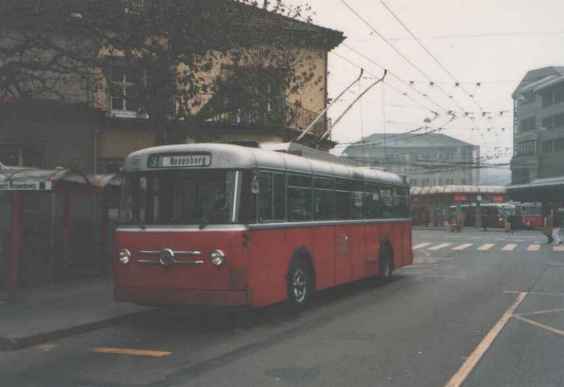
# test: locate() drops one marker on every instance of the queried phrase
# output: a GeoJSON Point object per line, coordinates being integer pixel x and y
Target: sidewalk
{"type": "Point", "coordinates": [445, 229]}
{"type": "Point", "coordinates": [45, 314]}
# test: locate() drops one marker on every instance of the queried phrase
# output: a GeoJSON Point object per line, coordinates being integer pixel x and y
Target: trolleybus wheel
{"type": "Point", "coordinates": [299, 284]}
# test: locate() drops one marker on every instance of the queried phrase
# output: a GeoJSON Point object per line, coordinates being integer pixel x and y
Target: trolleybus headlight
{"type": "Point", "coordinates": [217, 258]}
{"type": "Point", "coordinates": [124, 256]}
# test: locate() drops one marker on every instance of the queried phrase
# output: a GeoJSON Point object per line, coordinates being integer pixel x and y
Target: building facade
{"type": "Point", "coordinates": [427, 160]}
{"type": "Point", "coordinates": [98, 121]}
{"type": "Point", "coordinates": [538, 130]}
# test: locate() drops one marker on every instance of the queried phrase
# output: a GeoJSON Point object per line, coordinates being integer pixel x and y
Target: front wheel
{"type": "Point", "coordinates": [299, 284]}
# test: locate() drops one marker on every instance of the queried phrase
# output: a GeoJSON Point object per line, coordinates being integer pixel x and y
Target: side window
{"type": "Point", "coordinates": [344, 199]}
{"type": "Point", "coordinates": [387, 198]}
{"type": "Point", "coordinates": [279, 196]}
{"type": "Point", "coordinates": [271, 198]}
{"type": "Point", "coordinates": [323, 199]}
{"type": "Point", "coordinates": [300, 203]}
{"type": "Point", "coordinates": [357, 205]}
{"type": "Point", "coordinates": [401, 202]}
{"type": "Point", "coordinates": [264, 202]}
{"type": "Point", "coordinates": [372, 202]}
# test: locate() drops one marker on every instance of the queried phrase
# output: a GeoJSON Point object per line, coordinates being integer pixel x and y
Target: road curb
{"type": "Point", "coordinates": [17, 343]}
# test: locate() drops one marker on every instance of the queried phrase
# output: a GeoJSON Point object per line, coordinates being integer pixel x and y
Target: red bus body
{"type": "Point", "coordinates": [258, 261]}
{"type": "Point", "coordinates": [258, 257]}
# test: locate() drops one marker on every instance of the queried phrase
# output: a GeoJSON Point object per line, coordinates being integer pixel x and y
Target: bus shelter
{"type": "Point", "coordinates": [53, 224]}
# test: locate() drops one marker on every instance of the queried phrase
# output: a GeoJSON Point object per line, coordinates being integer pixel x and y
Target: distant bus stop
{"type": "Point", "coordinates": [54, 225]}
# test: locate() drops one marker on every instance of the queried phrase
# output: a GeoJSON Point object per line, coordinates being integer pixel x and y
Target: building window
{"type": "Point", "coordinates": [553, 96]}
{"type": "Point", "coordinates": [553, 122]}
{"type": "Point", "coordinates": [559, 145]}
{"type": "Point", "coordinates": [527, 124]}
{"type": "Point", "coordinates": [125, 91]}
{"type": "Point", "coordinates": [109, 165]}
{"type": "Point", "coordinates": [526, 148]}
{"type": "Point", "coordinates": [134, 7]}
{"type": "Point", "coordinates": [547, 147]}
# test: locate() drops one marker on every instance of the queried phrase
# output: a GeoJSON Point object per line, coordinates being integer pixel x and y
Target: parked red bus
{"type": "Point", "coordinates": [531, 215]}
{"type": "Point", "coordinates": [219, 224]}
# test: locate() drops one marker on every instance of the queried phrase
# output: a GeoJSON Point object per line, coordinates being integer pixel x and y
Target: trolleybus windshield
{"type": "Point", "coordinates": [179, 197]}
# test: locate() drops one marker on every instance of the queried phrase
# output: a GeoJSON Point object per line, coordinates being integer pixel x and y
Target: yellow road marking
{"type": "Point", "coordinates": [534, 248]}
{"type": "Point", "coordinates": [510, 247]}
{"type": "Point", "coordinates": [132, 352]}
{"type": "Point", "coordinates": [486, 247]}
{"type": "Point", "coordinates": [462, 247]}
{"type": "Point", "coordinates": [548, 311]}
{"type": "Point", "coordinates": [539, 325]}
{"type": "Point", "coordinates": [535, 293]}
{"type": "Point", "coordinates": [441, 246]}
{"type": "Point", "coordinates": [460, 376]}
{"type": "Point", "coordinates": [421, 245]}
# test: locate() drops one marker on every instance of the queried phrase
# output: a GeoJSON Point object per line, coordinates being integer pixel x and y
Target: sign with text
{"type": "Point", "coordinates": [26, 186]}
{"type": "Point", "coordinates": [190, 160]}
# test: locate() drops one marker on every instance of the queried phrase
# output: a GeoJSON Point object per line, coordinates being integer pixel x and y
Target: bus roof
{"type": "Point", "coordinates": [226, 156]}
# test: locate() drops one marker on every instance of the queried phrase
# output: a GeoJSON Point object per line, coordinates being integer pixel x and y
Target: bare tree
{"type": "Point", "coordinates": [175, 54]}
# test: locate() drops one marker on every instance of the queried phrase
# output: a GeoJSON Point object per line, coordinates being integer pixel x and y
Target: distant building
{"type": "Point", "coordinates": [538, 129]}
{"type": "Point", "coordinates": [427, 160]}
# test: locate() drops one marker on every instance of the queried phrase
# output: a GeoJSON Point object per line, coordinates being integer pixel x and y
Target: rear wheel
{"type": "Point", "coordinates": [299, 284]}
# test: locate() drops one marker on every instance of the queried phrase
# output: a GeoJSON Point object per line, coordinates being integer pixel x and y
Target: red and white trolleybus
{"type": "Point", "coordinates": [223, 224]}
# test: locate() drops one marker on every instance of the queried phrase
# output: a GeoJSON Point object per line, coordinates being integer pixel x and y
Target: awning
{"type": "Point", "coordinates": [33, 179]}
{"type": "Point", "coordinates": [455, 189]}
{"type": "Point", "coordinates": [539, 190]}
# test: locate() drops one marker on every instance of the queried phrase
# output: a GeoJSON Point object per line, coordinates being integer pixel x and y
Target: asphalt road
{"type": "Point", "coordinates": [468, 312]}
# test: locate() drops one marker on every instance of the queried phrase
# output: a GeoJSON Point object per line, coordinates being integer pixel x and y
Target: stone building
{"type": "Point", "coordinates": [433, 159]}
{"type": "Point", "coordinates": [97, 123]}
{"type": "Point", "coordinates": [538, 129]}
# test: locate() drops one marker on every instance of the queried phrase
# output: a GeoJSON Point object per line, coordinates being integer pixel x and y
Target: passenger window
{"type": "Point", "coordinates": [265, 207]}
{"type": "Point", "coordinates": [300, 203]}
{"type": "Point", "coordinates": [357, 205]}
{"type": "Point", "coordinates": [324, 199]}
{"type": "Point", "coordinates": [387, 199]}
{"type": "Point", "coordinates": [372, 203]}
{"type": "Point", "coordinates": [279, 196]}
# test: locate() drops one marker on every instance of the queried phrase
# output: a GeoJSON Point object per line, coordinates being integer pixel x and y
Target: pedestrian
{"type": "Point", "coordinates": [548, 227]}
{"type": "Point", "coordinates": [556, 226]}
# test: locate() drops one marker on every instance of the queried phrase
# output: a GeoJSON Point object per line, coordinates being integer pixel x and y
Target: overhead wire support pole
{"type": "Point", "coordinates": [322, 114]}
{"type": "Point", "coordinates": [351, 105]}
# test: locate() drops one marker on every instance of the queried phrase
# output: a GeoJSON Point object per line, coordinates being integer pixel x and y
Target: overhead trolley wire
{"type": "Point", "coordinates": [402, 55]}
{"type": "Point", "coordinates": [395, 76]}
{"type": "Point", "coordinates": [437, 61]}
{"type": "Point", "coordinates": [394, 88]}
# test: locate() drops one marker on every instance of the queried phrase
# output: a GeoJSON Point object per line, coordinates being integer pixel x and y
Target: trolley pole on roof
{"type": "Point", "coordinates": [351, 105]}
{"type": "Point", "coordinates": [329, 106]}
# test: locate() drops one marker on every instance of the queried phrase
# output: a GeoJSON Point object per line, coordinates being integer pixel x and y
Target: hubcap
{"type": "Point", "coordinates": [299, 286]}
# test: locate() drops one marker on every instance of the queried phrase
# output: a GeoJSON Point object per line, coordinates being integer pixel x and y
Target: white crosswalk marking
{"type": "Point", "coordinates": [558, 248]}
{"type": "Point", "coordinates": [486, 247]}
{"type": "Point", "coordinates": [421, 245]}
{"type": "Point", "coordinates": [441, 246]}
{"type": "Point", "coordinates": [462, 247]}
{"type": "Point", "coordinates": [534, 247]}
{"type": "Point", "coordinates": [509, 247]}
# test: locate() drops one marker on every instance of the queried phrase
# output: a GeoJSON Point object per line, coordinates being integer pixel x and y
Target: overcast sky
{"type": "Point", "coordinates": [493, 42]}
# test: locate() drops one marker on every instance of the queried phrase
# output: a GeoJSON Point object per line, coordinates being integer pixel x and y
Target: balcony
{"type": "Point", "coordinates": [294, 117]}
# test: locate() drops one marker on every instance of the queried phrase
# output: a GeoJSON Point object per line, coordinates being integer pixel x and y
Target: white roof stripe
{"type": "Point", "coordinates": [226, 156]}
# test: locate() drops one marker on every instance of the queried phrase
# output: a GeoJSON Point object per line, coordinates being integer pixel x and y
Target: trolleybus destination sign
{"type": "Point", "coordinates": [189, 160]}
